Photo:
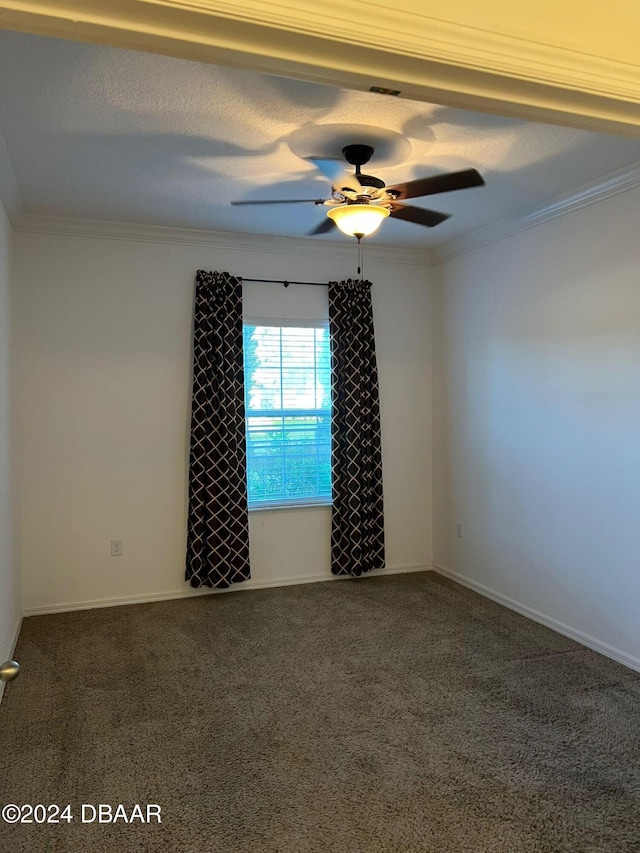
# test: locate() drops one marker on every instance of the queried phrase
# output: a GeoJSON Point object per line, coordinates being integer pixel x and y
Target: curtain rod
{"type": "Point", "coordinates": [285, 282]}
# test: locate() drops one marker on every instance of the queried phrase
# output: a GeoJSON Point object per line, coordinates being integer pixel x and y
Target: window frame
{"type": "Point", "coordinates": [292, 323]}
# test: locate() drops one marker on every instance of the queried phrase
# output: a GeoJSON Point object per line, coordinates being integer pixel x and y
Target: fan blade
{"type": "Point", "coordinates": [334, 170]}
{"type": "Point", "coordinates": [325, 226]}
{"type": "Point", "coordinates": [439, 184]}
{"type": "Point", "coordinates": [419, 215]}
{"type": "Point", "coordinates": [284, 201]}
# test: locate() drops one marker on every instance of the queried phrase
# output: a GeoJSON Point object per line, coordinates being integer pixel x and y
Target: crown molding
{"type": "Point", "coordinates": [613, 184]}
{"type": "Point", "coordinates": [410, 32]}
{"type": "Point", "coordinates": [364, 43]}
{"type": "Point", "coordinates": [261, 243]}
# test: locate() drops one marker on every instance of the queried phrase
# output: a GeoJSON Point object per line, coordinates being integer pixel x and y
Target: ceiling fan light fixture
{"type": "Point", "coordinates": [358, 220]}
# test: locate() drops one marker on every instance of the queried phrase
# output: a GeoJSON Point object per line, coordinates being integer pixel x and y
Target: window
{"type": "Point", "coordinates": [288, 412]}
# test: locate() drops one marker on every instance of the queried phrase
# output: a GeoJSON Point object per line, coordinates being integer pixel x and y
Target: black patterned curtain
{"type": "Point", "coordinates": [218, 525]}
{"type": "Point", "coordinates": [357, 521]}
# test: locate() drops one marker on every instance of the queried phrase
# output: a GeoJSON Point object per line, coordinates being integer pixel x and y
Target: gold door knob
{"type": "Point", "coordinates": [9, 670]}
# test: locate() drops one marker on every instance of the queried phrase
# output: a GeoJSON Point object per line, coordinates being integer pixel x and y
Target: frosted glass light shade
{"type": "Point", "coordinates": [358, 220]}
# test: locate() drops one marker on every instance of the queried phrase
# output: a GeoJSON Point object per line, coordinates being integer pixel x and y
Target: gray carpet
{"type": "Point", "coordinates": [384, 714]}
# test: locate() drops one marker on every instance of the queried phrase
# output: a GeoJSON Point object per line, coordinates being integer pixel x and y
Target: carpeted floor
{"type": "Point", "coordinates": [386, 714]}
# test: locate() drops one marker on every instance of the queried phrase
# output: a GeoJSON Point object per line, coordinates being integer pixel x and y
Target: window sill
{"type": "Point", "coordinates": [281, 506]}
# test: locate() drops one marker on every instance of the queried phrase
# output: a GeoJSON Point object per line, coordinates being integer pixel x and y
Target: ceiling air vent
{"type": "Point", "coordinates": [380, 90]}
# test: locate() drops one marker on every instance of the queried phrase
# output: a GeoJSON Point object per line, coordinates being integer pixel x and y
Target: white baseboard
{"type": "Point", "coordinates": [188, 592]}
{"type": "Point", "coordinates": [12, 650]}
{"type": "Point", "coordinates": [573, 633]}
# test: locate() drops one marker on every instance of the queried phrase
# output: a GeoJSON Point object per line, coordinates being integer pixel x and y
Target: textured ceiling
{"type": "Point", "coordinates": [103, 133]}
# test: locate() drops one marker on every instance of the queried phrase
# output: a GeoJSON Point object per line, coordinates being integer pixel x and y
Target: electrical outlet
{"type": "Point", "coordinates": [116, 547]}
{"type": "Point", "coordinates": [459, 529]}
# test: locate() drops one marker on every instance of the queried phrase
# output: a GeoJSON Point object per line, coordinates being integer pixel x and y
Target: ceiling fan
{"type": "Point", "coordinates": [359, 202]}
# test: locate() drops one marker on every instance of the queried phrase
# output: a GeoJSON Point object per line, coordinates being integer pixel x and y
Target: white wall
{"type": "Point", "coordinates": [104, 359]}
{"type": "Point", "coordinates": [537, 422]}
{"type": "Point", "coordinates": [10, 596]}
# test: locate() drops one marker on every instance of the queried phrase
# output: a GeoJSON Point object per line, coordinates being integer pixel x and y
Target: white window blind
{"type": "Point", "coordinates": [288, 412]}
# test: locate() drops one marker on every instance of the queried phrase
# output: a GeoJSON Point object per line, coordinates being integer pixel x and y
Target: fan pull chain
{"type": "Point", "coordinates": [360, 258]}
